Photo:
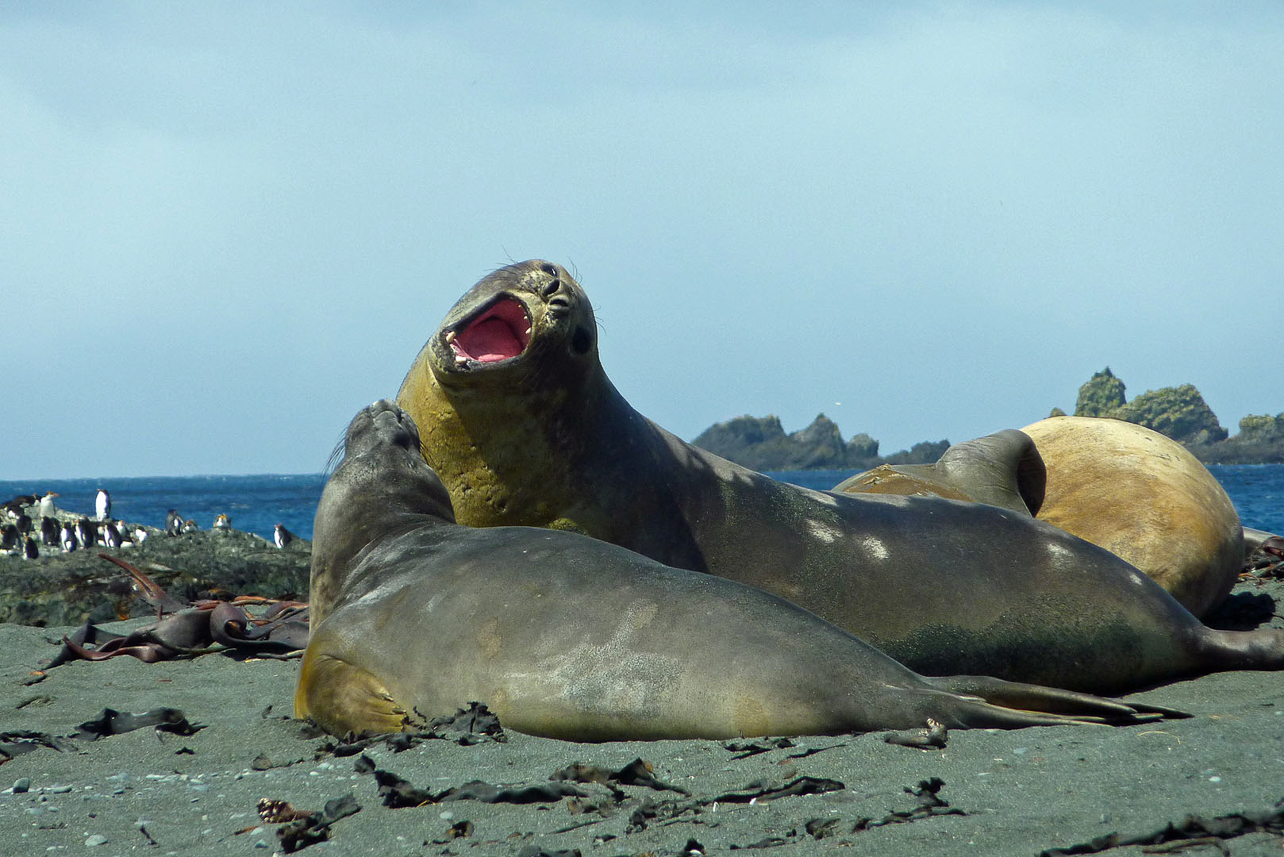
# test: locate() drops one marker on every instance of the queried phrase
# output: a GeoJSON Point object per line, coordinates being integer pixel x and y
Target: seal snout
{"type": "Point", "coordinates": [500, 332]}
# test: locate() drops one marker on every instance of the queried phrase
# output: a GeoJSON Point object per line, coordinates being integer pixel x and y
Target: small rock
{"type": "Point", "coordinates": [95, 840]}
{"type": "Point", "coordinates": [22, 784]}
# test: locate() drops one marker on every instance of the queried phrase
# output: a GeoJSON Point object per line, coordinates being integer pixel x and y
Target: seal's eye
{"type": "Point", "coordinates": [581, 341]}
{"type": "Point", "coordinates": [549, 269]}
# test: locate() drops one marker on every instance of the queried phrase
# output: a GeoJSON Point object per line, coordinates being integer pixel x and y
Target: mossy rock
{"type": "Point", "coordinates": [1176, 412]}
{"type": "Point", "coordinates": [1263, 427]}
{"type": "Point", "coordinates": [1101, 396]}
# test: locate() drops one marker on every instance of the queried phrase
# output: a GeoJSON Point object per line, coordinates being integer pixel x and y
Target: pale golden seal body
{"type": "Point", "coordinates": [1145, 498]}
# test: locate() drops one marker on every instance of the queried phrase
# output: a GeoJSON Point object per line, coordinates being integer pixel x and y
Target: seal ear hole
{"type": "Point", "coordinates": [581, 341]}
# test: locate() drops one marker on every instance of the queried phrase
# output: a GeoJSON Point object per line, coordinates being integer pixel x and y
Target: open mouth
{"type": "Point", "coordinates": [501, 332]}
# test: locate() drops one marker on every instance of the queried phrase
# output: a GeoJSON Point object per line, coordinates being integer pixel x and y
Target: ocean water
{"type": "Point", "coordinates": [256, 503]}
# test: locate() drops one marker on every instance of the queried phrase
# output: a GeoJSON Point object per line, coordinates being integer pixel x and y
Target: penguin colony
{"type": "Point", "coordinates": [60, 533]}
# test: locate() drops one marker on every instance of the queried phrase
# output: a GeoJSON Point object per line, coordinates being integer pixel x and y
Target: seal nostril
{"type": "Point", "coordinates": [551, 287]}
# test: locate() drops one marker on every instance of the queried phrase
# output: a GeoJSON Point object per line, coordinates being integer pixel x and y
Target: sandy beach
{"type": "Point", "coordinates": [1007, 792]}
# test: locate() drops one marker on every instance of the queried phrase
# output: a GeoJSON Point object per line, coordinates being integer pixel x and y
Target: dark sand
{"type": "Point", "coordinates": [1021, 791]}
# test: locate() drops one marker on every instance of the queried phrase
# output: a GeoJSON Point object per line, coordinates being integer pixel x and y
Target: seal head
{"type": "Point", "coordinates": [533, 306]}
{"type": "Point", "coordinates": [507, 383]}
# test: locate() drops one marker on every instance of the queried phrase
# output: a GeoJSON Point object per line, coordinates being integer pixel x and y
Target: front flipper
{"type": "Point", "coordinates": [1051, 700]}
{"type": "Point", "coordinates": [342, 698]}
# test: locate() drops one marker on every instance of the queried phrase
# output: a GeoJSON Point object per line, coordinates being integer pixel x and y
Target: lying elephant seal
{"type": "Point", "coordinates": [1121, 486]}
{"type": "Point", "coordinates": [524, 427]}
{"type": "Point", "coordinates": [1144, 497]}
{"type": "Point", "coordinates": [569, 637]}
{"type": "Point", "coordinates": [1002, 469]}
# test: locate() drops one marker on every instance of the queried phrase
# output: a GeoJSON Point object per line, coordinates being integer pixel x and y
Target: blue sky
{"type": "Point", "coordinates": [225, 227]}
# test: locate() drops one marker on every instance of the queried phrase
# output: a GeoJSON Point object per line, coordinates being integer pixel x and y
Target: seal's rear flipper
{"type": "Point", "coordinates": [1051, 700]}
{"type": "Point", "coordinates": [343, 698]}
{"type": "Point", "coordinates": [1255, 540]}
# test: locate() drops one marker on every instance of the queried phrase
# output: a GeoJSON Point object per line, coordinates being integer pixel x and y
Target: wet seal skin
{"type": "Point", "coordinates": [570, 637]}
{"type": "Point", "coordinates": [525, 428]}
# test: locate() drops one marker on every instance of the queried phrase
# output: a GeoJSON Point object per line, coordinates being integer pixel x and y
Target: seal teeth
{"type": "Point", "coordinates": [497, 333]}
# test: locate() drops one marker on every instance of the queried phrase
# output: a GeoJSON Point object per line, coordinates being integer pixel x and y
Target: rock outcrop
{"type": "Point", "coordinates": [1101, 396]}
{"type": "Point", "coordinates": [68, 588]}
{"type": "Point", "coordinates": [1182, 414]}
{"type": "Point", "coordinates": [760, 443]}
{"type": "Point", "coordinates": [1176, 412]}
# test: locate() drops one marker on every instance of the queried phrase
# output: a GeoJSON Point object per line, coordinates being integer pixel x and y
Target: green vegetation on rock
{"type": "Point", "coordinates": [1182, 414]}
{"type": "Point", "coordinates": [1176, 412]}
{"type": "Point", "coordinates": [1264, 427]}
{"type": "Point", "coordinates": [1101, 396]}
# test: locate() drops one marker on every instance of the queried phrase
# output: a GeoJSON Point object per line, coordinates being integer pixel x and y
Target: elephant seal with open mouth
{"type": "Point", "coordinates": [524, 427]}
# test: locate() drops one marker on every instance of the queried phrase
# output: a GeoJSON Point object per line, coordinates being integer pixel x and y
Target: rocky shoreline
{"type": "Point", "coordinates": [69, 588]}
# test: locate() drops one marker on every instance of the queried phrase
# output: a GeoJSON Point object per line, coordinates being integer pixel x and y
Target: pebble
{"type": "Point", "coordinates": [22, 784]}
{"type": "Point", "coordinates": [95, 840]}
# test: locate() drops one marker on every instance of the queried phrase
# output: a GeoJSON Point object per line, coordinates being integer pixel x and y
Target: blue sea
{"type": "Point", "coordinates": [256, 503]}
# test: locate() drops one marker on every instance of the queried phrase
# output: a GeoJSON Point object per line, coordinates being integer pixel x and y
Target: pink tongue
{"type": "Point", "coordinates": [489, 340]}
